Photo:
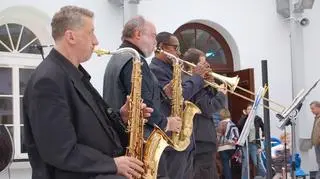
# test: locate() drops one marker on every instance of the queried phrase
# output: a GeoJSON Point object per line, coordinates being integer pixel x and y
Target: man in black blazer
{"type": "Point", "coordinates": [70, 132]}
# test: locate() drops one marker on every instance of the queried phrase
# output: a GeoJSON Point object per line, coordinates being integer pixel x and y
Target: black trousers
{"type": "Point", "coordinates": [162, 168]}
{"type": "Point", "coordinates": [205, 166]}
{"type": "Point", "coordinates": [179, 164]}
{"type": "Point", "coordinates": [109, 177]}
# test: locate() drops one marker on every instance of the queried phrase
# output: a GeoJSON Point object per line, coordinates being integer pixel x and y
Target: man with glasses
{"type": "Point", "coordinates": [180, 162]}
{"type": "Point", "coordinates": [140, 35]}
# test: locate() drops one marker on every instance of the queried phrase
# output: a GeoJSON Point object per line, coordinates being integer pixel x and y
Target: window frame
{"type": "Point", "coordinates": [17, 61]}
{"type": "Point", "coordinates": [218, 67]}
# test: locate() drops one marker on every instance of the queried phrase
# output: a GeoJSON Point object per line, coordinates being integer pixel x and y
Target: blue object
{"type": "Point", "coordinates": [216, 118]}
{"type": "Point", "coordinates": [275, 141]}
{"type": "Point", "coordinates": [299, 171]}
{"type": "Point", "coordinates": [210, 54]}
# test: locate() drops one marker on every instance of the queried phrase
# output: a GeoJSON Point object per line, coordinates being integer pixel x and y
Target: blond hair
{"type": "Point", "coordinates": [68, 17]}
{"type": "Point", "coordinates": [284, 137]}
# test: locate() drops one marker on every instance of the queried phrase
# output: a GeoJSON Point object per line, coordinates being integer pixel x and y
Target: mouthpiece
{"type": "Point", "coordinates": [157, 50]}
{"type": "Point", "coordinates": [101, 52]}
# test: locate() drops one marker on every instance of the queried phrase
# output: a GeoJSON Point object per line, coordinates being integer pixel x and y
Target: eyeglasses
{"type": "Point", "coordinates": [177, 47]}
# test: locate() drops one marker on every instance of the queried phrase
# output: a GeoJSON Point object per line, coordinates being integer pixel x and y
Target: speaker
{"type": "Point", "coordinates": [6, 148]}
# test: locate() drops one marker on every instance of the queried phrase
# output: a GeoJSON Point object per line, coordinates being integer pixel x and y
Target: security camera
{"type": "Point", "coordinates": [304, 21]}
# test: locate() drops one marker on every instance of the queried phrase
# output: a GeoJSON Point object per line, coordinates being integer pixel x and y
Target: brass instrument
{"type": "Point", "coordinates": [232, 84]}
{"type": "Point", "coordinates": [183, 109]}
{"type": "Point", "coordinates": [149, 151]}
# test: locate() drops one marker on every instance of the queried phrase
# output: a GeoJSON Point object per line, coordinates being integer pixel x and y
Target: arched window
{"type": "Point", "coordinates": [208, 40]}
{"type": "Point", "coordinates": [18, 59]}
{"type": "Point", "coordinates": [16, 38]}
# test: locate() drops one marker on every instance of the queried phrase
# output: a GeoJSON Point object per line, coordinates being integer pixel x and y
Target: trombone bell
{"type": "Point", "coordinates": [232, 82]}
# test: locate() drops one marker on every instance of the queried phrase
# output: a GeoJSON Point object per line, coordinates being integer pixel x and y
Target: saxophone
{"type": "Point", "coordinates": [149, 151]}
{"type": "Point", "coordinates": [183, 109]}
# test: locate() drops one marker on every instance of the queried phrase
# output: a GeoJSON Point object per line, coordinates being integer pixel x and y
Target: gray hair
{"type": "Point", "coordinates": [68, 17]}
{"type": "Point", "coordinates": [315, 103]}
{"type": "Point", "coordinates": [136, 23]}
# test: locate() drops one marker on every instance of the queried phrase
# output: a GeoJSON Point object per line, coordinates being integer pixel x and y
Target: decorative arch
{"type": "Point", "coordinates": [34, 19]}
{"type": "Point", "coordinates": [213, 39]}
{"type": "Point", "coordinates": [16, 38]}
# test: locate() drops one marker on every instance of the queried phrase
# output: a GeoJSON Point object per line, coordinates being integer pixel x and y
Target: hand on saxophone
{"type": "Point", "coordinates": [129, 167]}
{"type": "Point", "coordinates": [168, 89]}
{"type": "Point", "coordinates": [124, 110]}
{"type": "Point", "coordinates": [174, 124]}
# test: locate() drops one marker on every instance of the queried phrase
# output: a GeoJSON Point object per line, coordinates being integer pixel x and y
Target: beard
{"type": "Point", "coordinates": [148, 53]}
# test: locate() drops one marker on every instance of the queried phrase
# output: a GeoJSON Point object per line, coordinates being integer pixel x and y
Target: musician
{"type": "Point", "coordinates": [254, 143]}
{"type": "Point", "coordinates": [315, 135]}
{"type": "Point", "coordinates": [180, 162]}
{"type": "Point", "coordinates": [70, 133]}
{"type": "Point", "coordinates": [210, 101]}
{"type": "Point", "coordinates": [140, 35]}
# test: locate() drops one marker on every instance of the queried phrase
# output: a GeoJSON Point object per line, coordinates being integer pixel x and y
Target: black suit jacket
{"type": "Point", "coordinates": [209, 101]}
{"type": "Point", "coordinates": [258, 124]}
{"type": "Point", "coordinates": [68, 132]}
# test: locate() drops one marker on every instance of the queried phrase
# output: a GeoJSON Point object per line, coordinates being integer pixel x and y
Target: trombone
{"type": "Point", "coordinates": [231, 83]}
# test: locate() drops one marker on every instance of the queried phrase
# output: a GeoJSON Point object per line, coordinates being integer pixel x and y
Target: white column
{"type": "Point", "coordinates": [130, 9]}
{"type": "Point", "coordinates": [297, 68]}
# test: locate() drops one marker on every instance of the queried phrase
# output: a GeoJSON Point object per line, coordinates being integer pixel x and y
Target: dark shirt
{"type": "Point", "coordinates": [112, 116]}
{"type": "Point", "coordinates": [163, 72]}
{"type": "Point", "coordinates": [65, 121]}
{"type": "Point", "coordinates": [210, 102]}
{"type": "Point", "coordinates": [258, 123]}
{"type": "Point", "coordinates": [190, 86]}
{"type": "Point", "coordinates": [150, 91]}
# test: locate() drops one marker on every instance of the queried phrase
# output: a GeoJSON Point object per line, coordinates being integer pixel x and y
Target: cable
{"type": "Point", "coordinates": [40, 48]}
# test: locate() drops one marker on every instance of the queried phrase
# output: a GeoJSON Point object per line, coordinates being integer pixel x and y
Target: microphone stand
{"type": "Point", "coordinates": [289, 117]}
{"type": "Point", "coordinates": [285, 153]}
{"type": "Point", "coordinates": [292, 121]}
{"type": "Point", "coordinates": [40, 48]}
